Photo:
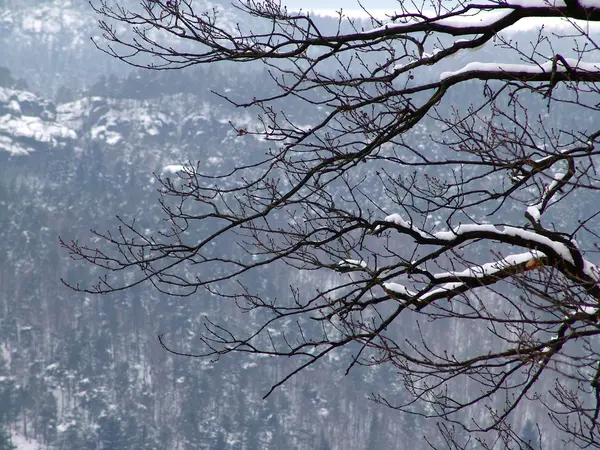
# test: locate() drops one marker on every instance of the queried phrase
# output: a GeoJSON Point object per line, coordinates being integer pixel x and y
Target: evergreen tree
{"type": "Point", "coordinates": [9, 406]}
{"type": "Point", "coordinates": [6, 78]}
{"type": "Point", "coordinates": [48, 417]}
{"type": "Point", "coordinates": [5, 440]}
{"type": "Point", "coordinates": [111, 434]}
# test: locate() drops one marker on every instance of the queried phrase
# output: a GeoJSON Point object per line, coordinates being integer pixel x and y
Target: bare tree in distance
{"type": "Point", "coordinates": [404, 227]}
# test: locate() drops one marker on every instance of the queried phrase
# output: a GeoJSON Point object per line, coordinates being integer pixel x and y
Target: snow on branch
{"type": "Point", "coordinates": [465, 232]}
{"type": "Point", "coordinates": [559, 180]}
{"type": "Point", "coordinates": [501, 70]}
{"type": "Point", "coordinates": [348, 265]}
{"type": "Point", "coordinates": [528, 259]}
{"type": "Point", "coordinates": [449, 284]}
{"type": "Point", "coordinates": [591, 270]}
{"type": "Point", "coordinates": [534, 212]}
{"type": "Point", "coordinates": [396, 288]}
{"type": "Point", "coordinates": [546, 248]}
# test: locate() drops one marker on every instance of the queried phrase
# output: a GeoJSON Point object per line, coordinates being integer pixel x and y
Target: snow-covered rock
{"type": "Point", "coordinates": [28, 124]}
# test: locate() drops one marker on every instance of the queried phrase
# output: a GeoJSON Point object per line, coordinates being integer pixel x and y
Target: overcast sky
{"type": "Point", "coordinates": [337, 4]}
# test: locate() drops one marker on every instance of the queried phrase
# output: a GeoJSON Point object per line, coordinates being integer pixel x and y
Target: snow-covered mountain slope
{"type": "Point", "coordinates": [28, 123]}
{"type": "Point", "coordinates": [91, 368]}
{"type": "Point", "coordinates": [49, 42]}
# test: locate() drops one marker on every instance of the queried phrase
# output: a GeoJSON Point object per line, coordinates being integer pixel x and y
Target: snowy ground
{"type": "Point", "coordinates": [25, 444]}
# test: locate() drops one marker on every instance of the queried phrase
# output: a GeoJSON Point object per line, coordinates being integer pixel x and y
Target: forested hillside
{"type": "Point", "coordinates": [88, 372]}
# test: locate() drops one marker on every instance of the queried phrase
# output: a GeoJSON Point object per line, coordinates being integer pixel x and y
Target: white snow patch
{"type": "Point", "coordinates": [559, 248]}
{"type": "Point", "coordinates": [591, 270]}
{"type": "Point", "coordinates": [112, 138]}
{"type": "Point", "coordinates": [534, 212]}
{"type": "Point", "coordinates": [399, 289]}
{"type": "Point", "coordinates": [14, 106]}
{"type": "Point", "coordinates": [523, 68]}
{"type": "Point", "coordinates": [23, 443]}
{"type": "Point", "coordinates": [51, 367]}
{"type": "Point", "coordinates": [352, 263]}
{"type": "Point", "coordinates": [493, 267]}
{"type": "Point", "coordinates": [323, 412]}
{"type": "Point", "coordinates": [214, 160]}
{"type": "Point", "coordinates": [444, 288]}
{"type": "Point", "coordinates": [64, 426]}
{"type": "Point", "coordinates": [398, 220]}
{"type": "Point", "coordinates": [173, 168]}
{"type": "Point", "coordinates": [464, 228]}
{"type": "Point", "coordinates": [388, 26]}
{"type": "Point", "coordinates": [101, 132]}
{"type": "Point", "coordinates": [587, 309]}
{"type": "Point", "coordinates": [34, 128]}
